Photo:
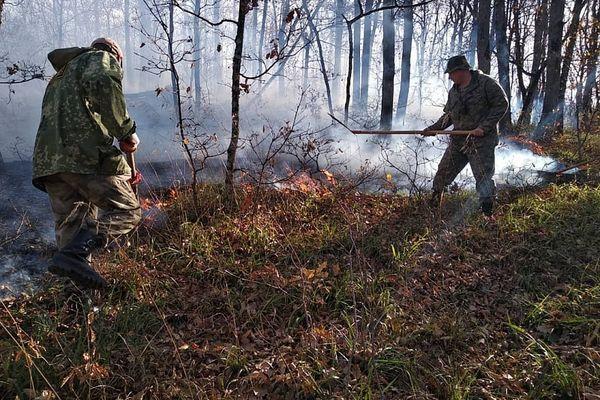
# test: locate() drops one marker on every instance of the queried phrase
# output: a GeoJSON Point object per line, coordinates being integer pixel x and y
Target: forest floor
{"type": "Point", "coordinates": [331, 294]}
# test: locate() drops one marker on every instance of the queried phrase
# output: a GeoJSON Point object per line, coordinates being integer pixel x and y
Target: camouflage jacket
{"type": "Point", "coordinates": [83, 111]}
{"type": "Point", "coordinates": [481, 104]}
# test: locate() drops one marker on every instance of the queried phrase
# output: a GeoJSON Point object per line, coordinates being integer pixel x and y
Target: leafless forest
{"type": "Point", "coordinates": [218, 66]}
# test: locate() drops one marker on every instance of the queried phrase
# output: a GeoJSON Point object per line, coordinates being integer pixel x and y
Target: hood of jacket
{"type": "Point", "coordinates": [61, 57]}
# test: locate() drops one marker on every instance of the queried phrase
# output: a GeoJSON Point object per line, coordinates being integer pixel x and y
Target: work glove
{"type": "Point", "coordinates": [426, 132]}
{"type": "Point", "coordinates": [477, 132]}
{"type": "Point", "coordinates": [129, 144]}
{"type": "Point", "coordinates": [136, 179]}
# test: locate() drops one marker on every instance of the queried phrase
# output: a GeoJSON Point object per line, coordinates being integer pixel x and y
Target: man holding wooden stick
{"type": "Point", "coordinates": [476, 103]}
{"type": "Point", "coordinates": [87, 179]}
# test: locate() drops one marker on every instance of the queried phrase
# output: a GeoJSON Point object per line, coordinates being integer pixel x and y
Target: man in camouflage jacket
{"type": "Point", "coordinates": [475, 103]}
{"type": "Point", "coordinates": [75, 161]}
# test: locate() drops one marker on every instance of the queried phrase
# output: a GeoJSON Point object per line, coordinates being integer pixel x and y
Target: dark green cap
{"type": "Point", "coordinates": [456, 63]}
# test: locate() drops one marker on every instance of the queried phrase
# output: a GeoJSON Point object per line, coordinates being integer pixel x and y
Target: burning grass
{"type": "Point", "coordinates": [327, 294]}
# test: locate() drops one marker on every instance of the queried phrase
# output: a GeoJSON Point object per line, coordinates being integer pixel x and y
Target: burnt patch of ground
{"type": "Point", "coordinates": [27, 227]}
{"type": "Point", "coordinates": [26, 230]}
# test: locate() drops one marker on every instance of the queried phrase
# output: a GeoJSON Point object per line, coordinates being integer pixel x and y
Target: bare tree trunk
{"type": "Point", "coordinates": [552, 89]}
{"type": "Point", "coordinates": [174, 80]}
{"type": "Point", "coordinates": [97, 19]}
{"type": "Point", "coordinates": [484, 56]}
{"type": "Point", "coordinates": [374, 25]}
{"type": "Point", "coordinates": [366, 56]}
{"type": "Point", "coordinates": [285, 9]}
{"type": "Point", "coordinates": [315, 33]}
{"type": "Point", "coordinates": [307, 41]}
{"type": "Point", "coordinates": [539, 53]}
{"type": "Point", "coordinates": [349, 74]}
{"type": "Point", "coordinates": [407, 37]}
{"type": "Point", "coordinates": [387, 91]}
{"type": "Point", "coordinates": [421, 44]}
{"type": "Point", "coordinates": [290, 49]}
{"type": "Point", "coordinates": [591, 66]}
{"type": "Point", "coordinates": [538, 101]}
{"type": "Point", "coordinates": [261, 40]}
{"type": "Point", "coordinates": [454, 17]}
{"type": "Point", "coordinates": [59, 13]}
{"type": "Point", "coordinates": [218, 65]}
{"type": "Point", "coordinates": [502, 55]}
{"type": "Point", "coordinates": [197, 61]}
{"type": "Point", "coordinates": [474, 32]}
{"type": "Point", "coordinates": [169, 30]}
{"type": "Point", "coordinates": [462, 26]}
{"type": "Point", "coordinates": [146, 21]}
{"type": "Point", "coordinates": [253, 39]}
{"type": "Point", "coordinates": [108, 25]}
{"type": "Point", "coordinates": [337, 51]}
{"type": "Point", "coordinates": [235, 98]}
{"type": "Point", "coordinates": [352, 47]}
{"type": "Point", "coordinates": [356, 50]}
{"type": "Point", "coordinates": [1, 9]}
{"type": "Point", "coordinates": [519, 53]}
{"type": "Point", "coordinates": [436, 34]}
{"type": "Point", "coordinates": [571, 37]}
{"type": "Point", "coordinates": [127, 31]}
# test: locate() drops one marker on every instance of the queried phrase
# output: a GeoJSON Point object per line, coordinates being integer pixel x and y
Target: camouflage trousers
{"type": "Point", "coordinates": [105, 204]}
{"type": "Point", "coordinates": [457, 156]}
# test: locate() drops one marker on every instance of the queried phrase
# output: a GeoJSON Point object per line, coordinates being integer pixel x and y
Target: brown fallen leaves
{"type": "Point", "coordinates": [306, 295]}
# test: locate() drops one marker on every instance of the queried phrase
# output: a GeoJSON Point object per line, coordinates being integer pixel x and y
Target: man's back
{"type": "Point", "coordinates": [83, 110]}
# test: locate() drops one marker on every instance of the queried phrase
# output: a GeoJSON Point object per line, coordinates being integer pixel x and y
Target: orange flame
{"type": "Point", "coordinates": [173, 193]}
{"type": "Point", "coordinates": [148, 203]}
{"type": "Point", "coordinates": [305, 183]}
{"type": "Point", "coordinates": [330, 177]}
{"type": "Point", "coordinates": [159, 201]}
{"type": "Point", "coordinates": [535, 147]}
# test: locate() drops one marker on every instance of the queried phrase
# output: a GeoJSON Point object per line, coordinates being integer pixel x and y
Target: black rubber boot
{"type": "Point", "coordinates": [487, 207]}
{"type": "Point", "coordinates": [71, 261]}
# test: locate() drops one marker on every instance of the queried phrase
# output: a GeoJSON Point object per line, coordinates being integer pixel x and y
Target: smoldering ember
{"type": "Point", "coordinates": [299, 199]}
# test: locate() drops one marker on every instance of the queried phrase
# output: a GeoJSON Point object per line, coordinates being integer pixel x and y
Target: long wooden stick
{"type": "Point", "coordinates": [581, 165]}
{"type": "Point", "coordinates": [131, 162]}
{"type": "Point", "coordinates": [425, 133]}
{"type": "Point", "coordinates": [413, 132]}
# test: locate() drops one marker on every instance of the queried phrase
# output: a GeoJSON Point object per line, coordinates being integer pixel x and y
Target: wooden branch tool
{"type": "Point", "coordinates": [134, 173]}
{"type": "Point", "coordinates": [412, 132]}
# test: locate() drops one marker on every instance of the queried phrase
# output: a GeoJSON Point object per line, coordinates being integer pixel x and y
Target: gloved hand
{"type": "Point", "coordinates": [478, 132]}
{"type": "Point", "coordinates": [427, 133]}
{"type": "Point", "coordinates": [129, 144]}
{"type": "Point", "coordinates": [137, 179]}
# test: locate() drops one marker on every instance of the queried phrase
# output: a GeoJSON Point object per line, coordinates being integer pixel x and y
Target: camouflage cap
{"type": "Point", "coordinates": [112, 45]}
{"type": "Point", "coordinates": [456, 63]}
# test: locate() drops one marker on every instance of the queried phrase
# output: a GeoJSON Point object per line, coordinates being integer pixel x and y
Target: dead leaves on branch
{"type": "Point", "coordinates": [245, 87]}
{"type": "Point", "coordinates": [293, 13]}
{"type": "Point", "coordinates": [274, 53]}
{"type": "Point", "coordinates": [12, 69]}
